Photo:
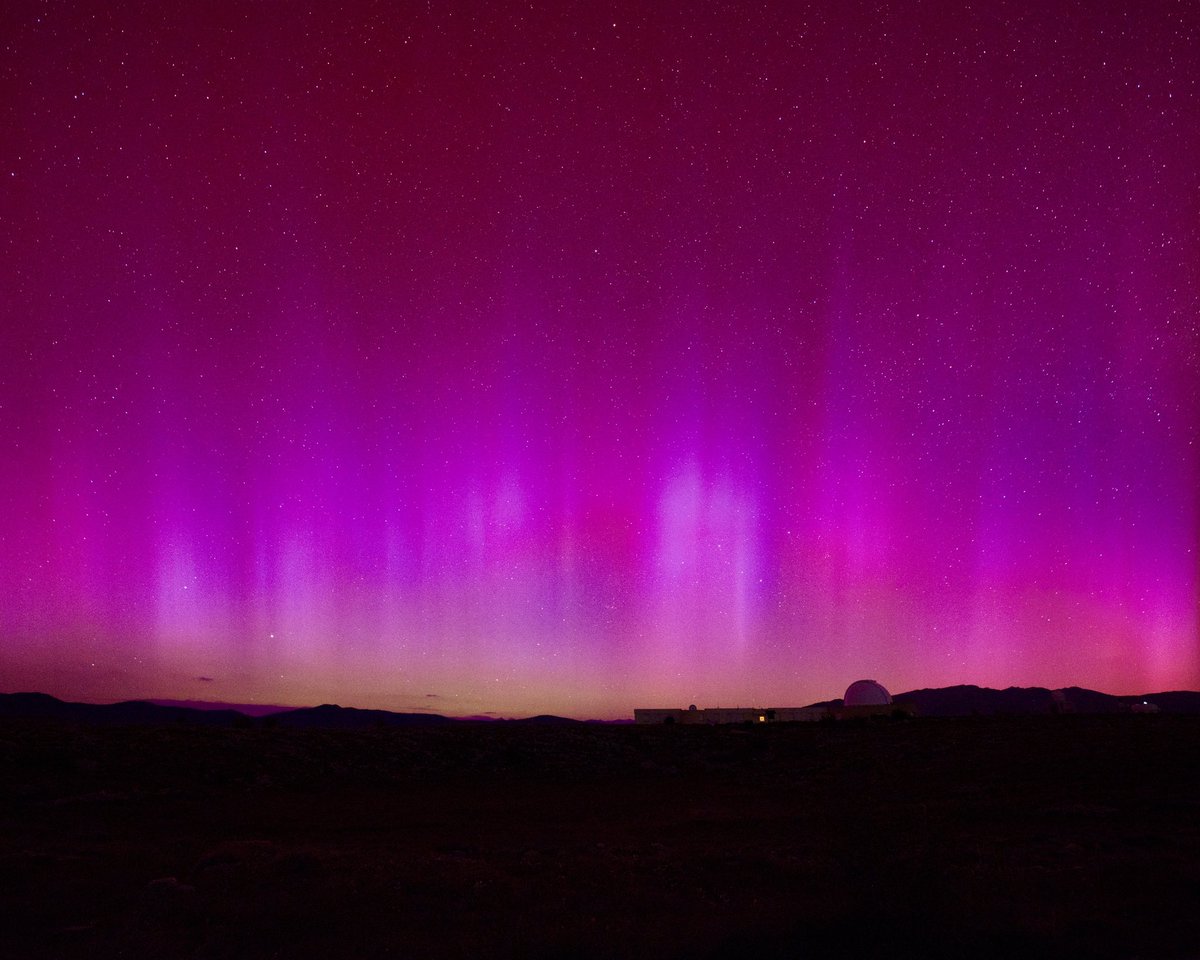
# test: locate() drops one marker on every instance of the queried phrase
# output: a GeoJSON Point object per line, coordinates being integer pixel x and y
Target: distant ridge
{"type": "Point", "coordinates": [331, 716]}
{"type": "Point", "coordinates": [545, 720]}
{"type": "Point", "coordinates": [969, 700]}
{"type": "Point", "coordinates": [249, 709]}
{"type": "Point", "coordinates": [129, 711]}
{"type": "Point", "coordinates": [41, 705]}
{"type": "Point", "coordinates": [958, 701]}
{"type": "Point", "coordinates": [328, 716]}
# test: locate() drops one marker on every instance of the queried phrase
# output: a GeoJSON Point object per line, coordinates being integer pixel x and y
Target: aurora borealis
{"type": "Point", "coordinates": [570, 357]}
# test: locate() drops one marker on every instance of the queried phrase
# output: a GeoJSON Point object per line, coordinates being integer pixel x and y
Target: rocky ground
{"type": "Point", "coordinates": [985, 837]}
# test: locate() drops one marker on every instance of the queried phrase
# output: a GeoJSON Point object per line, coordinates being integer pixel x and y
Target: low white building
{"type": "Point", "coordinates": [714, 715]}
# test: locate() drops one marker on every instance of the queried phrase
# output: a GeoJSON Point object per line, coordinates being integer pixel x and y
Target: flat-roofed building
{"type": "Point", "coordinates": [715, 715]}
{"type": "Point", "coordinates": [863, 699]}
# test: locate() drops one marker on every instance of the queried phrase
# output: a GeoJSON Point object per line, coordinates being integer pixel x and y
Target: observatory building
{"type": "Point", "coordinates": [863, 698]}
{"type": "Point", "coordinates": [866, 693]}
{"type": "Point", "coordinates": [868, 698]}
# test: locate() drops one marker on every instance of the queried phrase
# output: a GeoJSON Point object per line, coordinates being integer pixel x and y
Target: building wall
{"type": "Point", "coordinates": [876, 710]}
{"type": "Point", "coordinates": [718, 715]}
{"type": "Point", "coordinates": [799, 714]}
{"type": "Point", "coordinates": [660, 716]}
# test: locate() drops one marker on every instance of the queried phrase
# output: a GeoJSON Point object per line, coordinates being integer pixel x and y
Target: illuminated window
{"type": "Point", "coordinates": [762, 718]}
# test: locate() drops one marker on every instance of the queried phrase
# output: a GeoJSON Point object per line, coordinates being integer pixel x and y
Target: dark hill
{"type": "Point", "coordinates": [969, 700]}
{"type": "Point", "coordinates": [249, 709]}
{"type": "Point", "coordinates": [331, 716]}
{"type": "Point", "coordinates": [33, 705]}
{"type": "Point", "coordinates": [131, 711]}
{"type": "Point", "coordinates": [546, 720]}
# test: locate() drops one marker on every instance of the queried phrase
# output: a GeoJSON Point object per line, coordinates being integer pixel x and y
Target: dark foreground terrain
{"type": "Point", "coordinates": [990, 837]}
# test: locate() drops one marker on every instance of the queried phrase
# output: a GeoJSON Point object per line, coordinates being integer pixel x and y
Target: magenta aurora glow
{"type": "Point", "coordinates": [474, 357]}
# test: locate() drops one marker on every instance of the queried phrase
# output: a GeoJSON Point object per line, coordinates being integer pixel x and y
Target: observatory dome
{"type": "Point", "coordinates": [866, 693]}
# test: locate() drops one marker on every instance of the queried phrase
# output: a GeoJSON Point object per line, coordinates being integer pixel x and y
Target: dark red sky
{"type": "Point", "coordinates": [567, 357]}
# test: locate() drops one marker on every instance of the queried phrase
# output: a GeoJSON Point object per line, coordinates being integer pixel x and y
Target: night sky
{"type": "Point", "coordinates": [571, 357]}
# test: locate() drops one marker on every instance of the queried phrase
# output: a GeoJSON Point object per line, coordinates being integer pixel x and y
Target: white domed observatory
{"type": "Point", "coordinates": [866, 693]}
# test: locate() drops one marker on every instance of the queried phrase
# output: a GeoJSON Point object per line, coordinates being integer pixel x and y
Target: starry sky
{"type": "Point", "coordinates": [571, 357]}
